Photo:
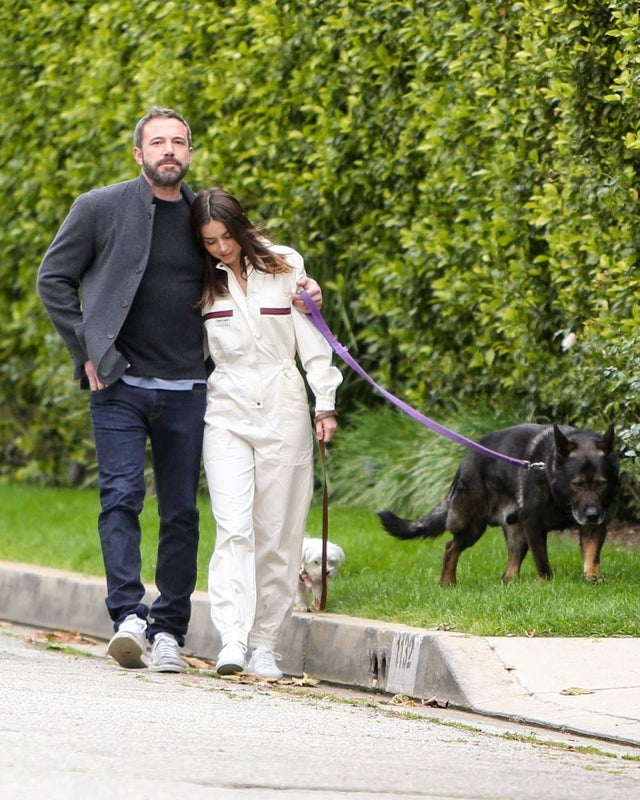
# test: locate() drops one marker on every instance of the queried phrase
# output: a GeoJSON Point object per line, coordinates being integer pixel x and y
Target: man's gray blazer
{"type": "Point", "coordinates": [92, 270]}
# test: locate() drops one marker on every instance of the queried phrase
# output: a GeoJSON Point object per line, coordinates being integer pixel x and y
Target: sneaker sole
{"type": "Point", "coordinates": [127, 652]}
{"type": "Point", "coordinates": [229, 669]}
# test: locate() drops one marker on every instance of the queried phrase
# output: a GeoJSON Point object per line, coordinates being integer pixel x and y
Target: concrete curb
{"type": "Point", "coordinates": [361, 653]}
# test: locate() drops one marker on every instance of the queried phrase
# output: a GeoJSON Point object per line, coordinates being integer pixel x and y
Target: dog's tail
{"type": "Point", "coordinates": [428, 527]}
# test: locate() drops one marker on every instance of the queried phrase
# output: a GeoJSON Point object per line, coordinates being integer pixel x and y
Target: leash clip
{"type": "Point", "coordinates": [536, 466]}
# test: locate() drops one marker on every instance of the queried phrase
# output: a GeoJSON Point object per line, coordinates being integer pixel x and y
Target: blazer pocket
{"type": "Point", "coordinates": [80, 328]}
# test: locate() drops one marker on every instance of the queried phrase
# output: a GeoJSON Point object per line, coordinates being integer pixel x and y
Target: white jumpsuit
{"type": "Point", "coordinates": [258, 448]}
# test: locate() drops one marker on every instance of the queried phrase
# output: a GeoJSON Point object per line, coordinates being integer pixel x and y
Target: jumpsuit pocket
{"type": "Point", "coordinates": [293, 387]}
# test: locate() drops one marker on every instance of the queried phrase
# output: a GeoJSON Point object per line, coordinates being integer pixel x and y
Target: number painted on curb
{"type": "Point", "coordinates": [404, 651]}
{"type": "Point", "coordinates": [403, 665]}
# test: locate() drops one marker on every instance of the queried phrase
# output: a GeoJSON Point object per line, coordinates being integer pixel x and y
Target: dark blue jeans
{"type": "Point", "coordinates": [124, 418]}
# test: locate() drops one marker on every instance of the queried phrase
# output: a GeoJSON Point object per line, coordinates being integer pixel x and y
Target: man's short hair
{"type": "Point", "coordinates": [154, 113]}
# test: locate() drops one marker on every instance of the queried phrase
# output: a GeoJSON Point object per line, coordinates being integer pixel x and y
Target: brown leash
{"type": "Point", "coordinates": [325, 526]}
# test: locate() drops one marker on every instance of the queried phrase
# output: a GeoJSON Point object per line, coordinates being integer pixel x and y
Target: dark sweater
{"type": "Point", "coordinates": [162, 335]}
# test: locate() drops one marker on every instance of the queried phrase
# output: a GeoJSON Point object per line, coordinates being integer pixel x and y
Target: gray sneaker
{"type": "Point", "coordinates": [165, 654]}
{"type": "Point", "coordinates": [129, 644]}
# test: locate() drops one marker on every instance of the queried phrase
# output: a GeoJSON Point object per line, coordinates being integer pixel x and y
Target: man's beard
{"type": "Point", "coordinates": [159, 178]}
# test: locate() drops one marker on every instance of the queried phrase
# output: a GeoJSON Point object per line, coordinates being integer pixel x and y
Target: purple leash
{"type": "Point", "coordinates": [340, 350]}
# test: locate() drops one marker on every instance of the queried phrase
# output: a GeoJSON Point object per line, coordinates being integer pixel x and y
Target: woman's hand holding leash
{"type": "Point", "coordinates": [312, 287]}
{"type": "Point", "coordinates": [326, 424]}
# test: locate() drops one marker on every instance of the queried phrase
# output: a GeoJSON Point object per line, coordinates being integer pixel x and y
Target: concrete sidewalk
{"type": "Point", "coordinates": [590, 687]}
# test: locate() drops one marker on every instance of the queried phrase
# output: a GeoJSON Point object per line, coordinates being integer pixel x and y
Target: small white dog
{"type": "Point", "coordinates": [310, 581]}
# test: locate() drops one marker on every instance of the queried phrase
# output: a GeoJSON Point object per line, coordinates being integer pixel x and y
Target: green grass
{"type": "Point", "coordinates": [58, 528]}
{"type": "Point", "coordinates": [383, 578]}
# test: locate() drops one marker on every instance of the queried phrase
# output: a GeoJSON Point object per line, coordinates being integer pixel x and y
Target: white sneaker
{"type": "Point", "coordinates": [165, 654]}
{"type": "Point", "coordinates": [129, 644]}
{"type": "Point", "coordinates": [263, 663]}
{"type": "Point", "coordinates": [231, 659]}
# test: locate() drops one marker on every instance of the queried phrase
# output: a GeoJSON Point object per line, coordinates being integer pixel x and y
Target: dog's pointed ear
{"type": "Point", "coordinates": [606, 442]}
{"type": "Point", "coordinates": [564, 446]}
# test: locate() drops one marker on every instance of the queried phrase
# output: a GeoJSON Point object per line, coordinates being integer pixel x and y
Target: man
{"type": "Point", "coordinates": [121, 282]}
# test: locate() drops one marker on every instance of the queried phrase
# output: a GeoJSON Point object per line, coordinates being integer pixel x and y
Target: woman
{"type": "Point", "coordinates": [258, 448]}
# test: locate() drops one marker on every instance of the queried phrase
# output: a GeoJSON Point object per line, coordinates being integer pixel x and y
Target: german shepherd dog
{"type": "Point", "coordinates": [576, 487]}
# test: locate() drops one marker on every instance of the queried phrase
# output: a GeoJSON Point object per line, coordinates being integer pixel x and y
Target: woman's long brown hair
{"type": "Point", "coordinates": [218, 204]}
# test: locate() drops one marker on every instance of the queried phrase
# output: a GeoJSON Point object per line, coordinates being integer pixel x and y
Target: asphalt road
{"type": "Point", "coordinates": [75, 725]}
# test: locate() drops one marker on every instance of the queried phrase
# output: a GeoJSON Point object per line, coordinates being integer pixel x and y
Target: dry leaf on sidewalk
{"type": "Point", "coordinates": [577, 690]}
{"type": "Point", "coordinates": [61, 637]}
{"type": "Point", "coordinates": [433, 702]}
{"type": "Point", "coordinates": [305, 680]}
{"type": "Point", "coordinates": [199, 663]}
{"type": "Point", "coordinates": [404, 700]}
{"type": "Point", "coordinates": [401, 700]}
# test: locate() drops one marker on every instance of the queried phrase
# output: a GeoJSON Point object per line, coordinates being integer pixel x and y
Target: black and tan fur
{"type": "Point", "coordinates": [574, 489]}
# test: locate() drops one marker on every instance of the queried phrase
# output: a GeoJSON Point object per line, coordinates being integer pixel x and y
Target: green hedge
{"type": "Point", "coordinates": [461, 177]}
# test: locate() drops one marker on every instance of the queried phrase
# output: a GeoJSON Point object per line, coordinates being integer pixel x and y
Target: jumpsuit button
{"type": "Point", "coordinates": [124, 303]}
